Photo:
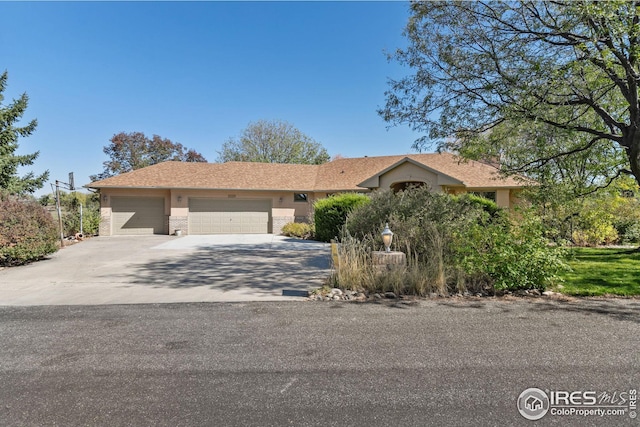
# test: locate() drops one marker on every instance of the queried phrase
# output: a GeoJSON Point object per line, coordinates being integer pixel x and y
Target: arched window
{"type": "Point", "coordinates": [401, 186]}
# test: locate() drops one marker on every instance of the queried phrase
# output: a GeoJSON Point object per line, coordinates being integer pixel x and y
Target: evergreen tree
{"type": "Point", "coordinates": [10, 114]}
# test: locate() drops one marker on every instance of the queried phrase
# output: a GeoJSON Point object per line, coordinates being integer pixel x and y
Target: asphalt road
{"type": "Point", "coordinates": [444, 362]}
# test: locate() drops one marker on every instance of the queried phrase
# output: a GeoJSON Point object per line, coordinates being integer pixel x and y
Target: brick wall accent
{"type": "Point", "coordinates": [104, 229]}
{"type": "Point", "coordinates": [178, 223]}
{"type": "Point", "coordinates": [280, 221]}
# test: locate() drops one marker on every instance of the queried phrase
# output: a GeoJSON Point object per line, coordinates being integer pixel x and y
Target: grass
{"type": "Point", "coordinates": [602, 271]}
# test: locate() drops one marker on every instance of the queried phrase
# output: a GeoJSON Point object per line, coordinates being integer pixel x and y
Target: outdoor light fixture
{"type": "Point", "coordinates": [179, 199]}
{"type": "Point", "coordinates": [387, 237]}
{"type": "Point", "coordinates": [105, 198]}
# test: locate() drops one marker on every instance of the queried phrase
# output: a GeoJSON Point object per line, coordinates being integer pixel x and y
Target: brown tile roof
{"type": "Point", "coordinates": [230, 175]}
{"type": "Point", "coordinates": [338, 175]}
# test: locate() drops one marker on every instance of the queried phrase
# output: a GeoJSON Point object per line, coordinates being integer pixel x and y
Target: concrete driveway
{"type": "Point", "coordinates": [164, 269]}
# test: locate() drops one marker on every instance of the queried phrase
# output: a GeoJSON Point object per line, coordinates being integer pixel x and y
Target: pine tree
{"type": "Point", "coordinates": [10, 114]}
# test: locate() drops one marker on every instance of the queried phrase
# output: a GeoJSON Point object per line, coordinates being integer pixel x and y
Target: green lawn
{"type": "Point", "coordinates": [602, 271]}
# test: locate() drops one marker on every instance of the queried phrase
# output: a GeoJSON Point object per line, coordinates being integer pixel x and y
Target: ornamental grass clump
{"type": "Point", "coordinates": [354, 270]}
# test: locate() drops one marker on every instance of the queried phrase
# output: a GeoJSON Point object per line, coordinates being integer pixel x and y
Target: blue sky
{"type": "Point", "coordinates": [198, 73]}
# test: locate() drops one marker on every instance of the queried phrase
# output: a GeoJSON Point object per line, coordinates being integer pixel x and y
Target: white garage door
{"type": "Point", "coordinates": [223, 216]}
{"type": "Point", "coordinates": [138, 215]}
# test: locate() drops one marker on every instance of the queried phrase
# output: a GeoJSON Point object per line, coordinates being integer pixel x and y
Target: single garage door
{"type": "Point", "coordinates": [223, 216]}
{"type": "Point", "coordinates": [138, 215]}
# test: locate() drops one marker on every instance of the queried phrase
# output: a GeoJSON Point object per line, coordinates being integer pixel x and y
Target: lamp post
{"type": "Point", "coordinates": [387, 260]}
{"type": "Point", "coordinates": [387, 237]}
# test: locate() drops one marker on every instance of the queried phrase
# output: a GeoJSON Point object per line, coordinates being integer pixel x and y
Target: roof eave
{"type": "Point", "coordinates": [137, 187]}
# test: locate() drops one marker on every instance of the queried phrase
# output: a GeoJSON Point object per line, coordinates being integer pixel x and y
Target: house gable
{"type": "Point", "coordinates": [409, 170]}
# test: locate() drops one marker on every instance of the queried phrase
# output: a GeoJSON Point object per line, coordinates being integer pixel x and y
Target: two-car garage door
{"type": "Point", "coordinates": [219, 216]}
{"type": "Point", "coordinates": [146, 215]}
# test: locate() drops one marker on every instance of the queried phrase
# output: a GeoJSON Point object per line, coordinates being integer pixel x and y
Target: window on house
{"type": "Point", "coordinates": [300, 197]}
{"type": "Point", "coordinates": [491, 195]}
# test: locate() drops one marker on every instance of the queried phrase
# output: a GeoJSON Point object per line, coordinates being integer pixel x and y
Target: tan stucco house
{"type": "Point", "coordinates": [242, 197]}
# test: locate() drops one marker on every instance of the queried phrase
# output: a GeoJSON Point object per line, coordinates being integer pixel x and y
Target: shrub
{"type": "Point", "coordinates": [626, 211]}
{"type": "Point", "coordinates": [423, 223]}
{"type": "Point", "coordinates": [27, 231]}
{"type": "Point", "coordinates": [595, 228]}
{"type": "Point", "coordinates": [331, 213]}
{"type": "Point", "coordinates": [418, 217]}
{"type": "Point", "coordinates": [487, 205]}
{"type": "Point", "coordinates": [513, 255]}
{"type": "Point", "coordinates": [453, 243]}
{"type": "Point", "coordinates": [631, 234]}
{"type": "Point", "coordinates": [606, 217]}
{"type": "Point", "coordinates": [90, 222]}
{"type": "Point", "coordinates": [301, 230]}
{"type": "Point", "coordinates": [70, 203]}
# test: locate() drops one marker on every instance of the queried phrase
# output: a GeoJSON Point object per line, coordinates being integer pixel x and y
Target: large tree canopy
{"type": "Point", "coordinates": [532, 149]}
{"type": "Point", "coordinates": [565, 67]}
{"type": "Point", "coordinates": [273, 142]}
{"type": "Point", "coordinates": [130, 151]}
{"type": "Point", "coordinates": [10, 114]}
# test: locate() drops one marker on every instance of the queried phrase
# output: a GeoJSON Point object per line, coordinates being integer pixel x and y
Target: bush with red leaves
{"type": "Point", "coordinates": [27, 231]}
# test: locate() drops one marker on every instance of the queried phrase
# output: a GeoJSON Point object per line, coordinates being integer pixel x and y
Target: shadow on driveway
{"type": "Point", "coordinates": [226, 269]}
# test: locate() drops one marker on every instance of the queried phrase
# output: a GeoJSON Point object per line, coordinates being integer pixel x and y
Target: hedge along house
{"type": "Point", "coordinates": [245, 197]}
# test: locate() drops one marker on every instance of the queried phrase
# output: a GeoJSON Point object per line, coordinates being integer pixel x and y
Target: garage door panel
{"type": "Point", "coordinates": [221, 216]}
{"type": "Point", "coordinates": [138, 215]}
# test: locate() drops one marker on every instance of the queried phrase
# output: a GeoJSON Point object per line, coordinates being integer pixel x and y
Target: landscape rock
{"type": "Point", "coordinates": [360, 296]}
{"type": "Point", "coordinates": [336, 294]}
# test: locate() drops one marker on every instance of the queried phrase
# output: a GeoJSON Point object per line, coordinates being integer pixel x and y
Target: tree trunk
{"type": "Point", "coordinates": [633, 152]}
